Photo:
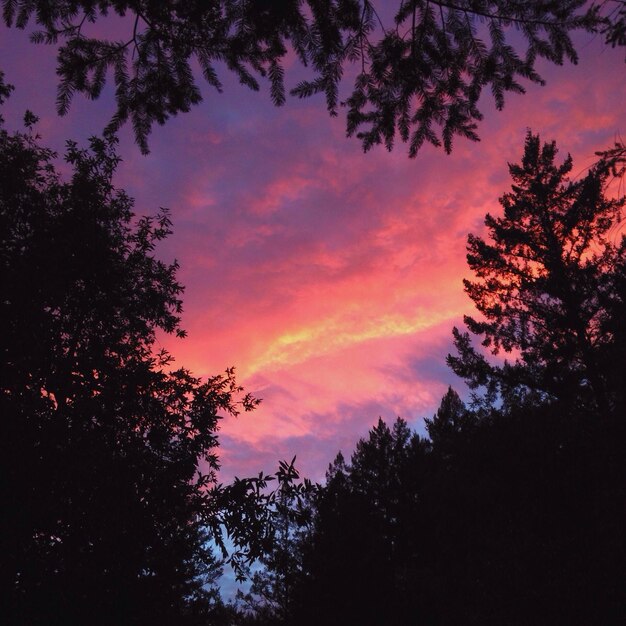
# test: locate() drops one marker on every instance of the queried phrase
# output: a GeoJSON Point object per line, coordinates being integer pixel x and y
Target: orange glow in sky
{"type": "Point", "coordinates": [331, 279]}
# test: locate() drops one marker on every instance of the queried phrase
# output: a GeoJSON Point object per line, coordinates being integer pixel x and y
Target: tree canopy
{"type": "Point", "coordinates": [418, 68]}
{"type": "Point", "coordinates": [108, 451]}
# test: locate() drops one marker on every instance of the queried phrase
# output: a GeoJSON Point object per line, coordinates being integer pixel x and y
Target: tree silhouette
{"type": "Point", "coordinates": [274, 586]}
{"type": "Point", "coordinates": [522, 521]}
{"type": "Point", "coordinates": [108, 452]}
{"type": "Point", "coordinates": [510, 517]}
{"type": "Point", "coordinates": [359, 561]}
{"type": "Point", "coordinates": [421, 66]}
{"type": "Point", "coordinates": [549, 287]}
{"type": "Point", "coordinates": [450, 423]}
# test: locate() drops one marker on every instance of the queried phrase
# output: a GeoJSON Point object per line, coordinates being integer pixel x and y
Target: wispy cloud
{"type": "Point", "coordinates": [330, 278]}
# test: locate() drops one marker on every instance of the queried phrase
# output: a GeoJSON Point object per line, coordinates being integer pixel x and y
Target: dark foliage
{"type": "Point", "coordinates": [108, 452]}
{"type": "Point", "coordinates": [277, 580]}
{"type": "Point", "coordinates": [512, 518]}
{"type": "Point", "coordinates": [615, 26]}
{"type": "Point", "coordinates": [523, 514]}
{"type": "Point", "coordinates": [550, 288]}
{"type": "Point", "coordinates": [421, 66]}
{"type": "Point", "coordinates": [353, 559]}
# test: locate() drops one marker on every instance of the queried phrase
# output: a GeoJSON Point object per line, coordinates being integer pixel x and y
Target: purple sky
{"type": "Point", "coordinates": [330, 278]}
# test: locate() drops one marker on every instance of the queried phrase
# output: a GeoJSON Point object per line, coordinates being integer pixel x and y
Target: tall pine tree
{"type": "Point", "coordinates": [549, 288]}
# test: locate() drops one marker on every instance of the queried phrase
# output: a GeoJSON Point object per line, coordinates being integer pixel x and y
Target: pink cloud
{"type": "Point", "coordinates": [329, 277]}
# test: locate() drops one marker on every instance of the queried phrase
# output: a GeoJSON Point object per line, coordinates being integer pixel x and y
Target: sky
{"type": "Point", "coordinates": [331, 279]}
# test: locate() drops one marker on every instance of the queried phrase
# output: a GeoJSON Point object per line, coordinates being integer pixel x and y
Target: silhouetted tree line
{"type": "Point", "coordinates": [512, 511]}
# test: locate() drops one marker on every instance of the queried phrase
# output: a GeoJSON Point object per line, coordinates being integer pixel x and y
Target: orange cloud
{"type": "Point", "coordinates": [329, 277]}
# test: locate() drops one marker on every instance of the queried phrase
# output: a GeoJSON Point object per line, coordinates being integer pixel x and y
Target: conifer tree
{"type": "Point", "coordinates": [549, 287]}
{"type": "Point", "coordinates": [359, 561]}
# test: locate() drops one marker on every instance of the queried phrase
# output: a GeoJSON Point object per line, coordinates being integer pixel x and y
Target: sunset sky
{"type": "Point", "coordinates": [331, 279]}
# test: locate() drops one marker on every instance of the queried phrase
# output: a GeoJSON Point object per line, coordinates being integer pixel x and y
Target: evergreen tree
{"type": "Point", "coordinates": [360, 560]}
{"type": "Point", "coordinates": [450, 423]}
{"type": "Point", "coordinates": [422, 64]}
{"type": "Point", "coordinates": [549, 287]}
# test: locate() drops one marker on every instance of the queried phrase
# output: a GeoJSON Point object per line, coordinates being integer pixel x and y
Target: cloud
{"type": "Point", "coordinates": [329, 277]}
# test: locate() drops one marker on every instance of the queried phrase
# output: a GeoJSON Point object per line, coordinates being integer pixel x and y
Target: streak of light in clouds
{"type": "Point", "coordinates": [329, 278]}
